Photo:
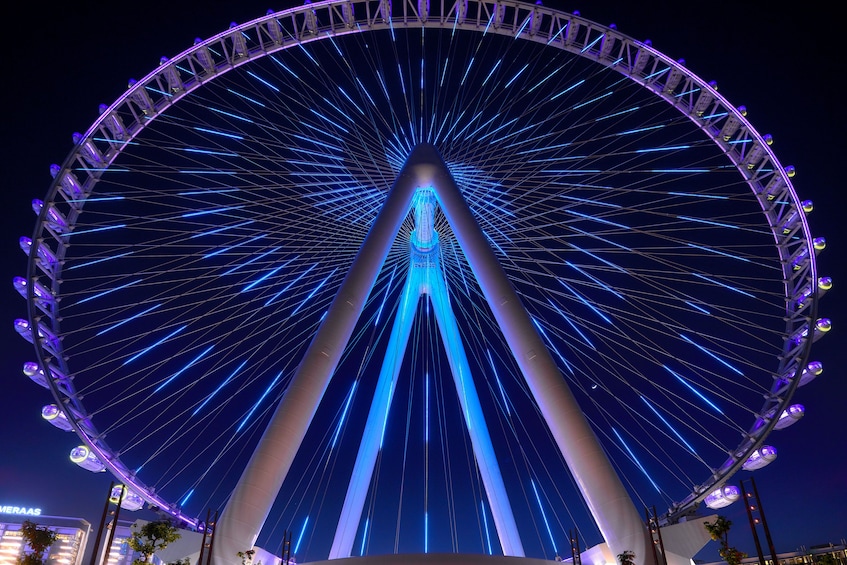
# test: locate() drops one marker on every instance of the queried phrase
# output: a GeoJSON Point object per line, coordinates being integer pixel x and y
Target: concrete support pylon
{"type": "Point", "coordinates": [607, 499]}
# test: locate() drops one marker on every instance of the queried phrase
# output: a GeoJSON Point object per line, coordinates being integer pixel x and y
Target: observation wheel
{"type": "Point", "coordinates": [193, 240]}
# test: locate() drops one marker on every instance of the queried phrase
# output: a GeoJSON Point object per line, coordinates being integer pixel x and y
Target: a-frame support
{"type": "Point", "coordinates": [425, 278]}
{"type": "Point", "coordinates": [605, 495]}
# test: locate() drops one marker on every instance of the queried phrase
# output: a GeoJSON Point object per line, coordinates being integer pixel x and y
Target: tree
{"type": "Point", "coordinates": [627, 557]}
{"type": "Point", "coordinates": [827, 559]}
{"type": "Point", "coordinates": [719, 530]}
{"type": "Point", "coordinates": [152, 537]}
{"type": "Point", "coordinates": [246, 556]}
{"type": "Point", "coordinates": [39, 540]}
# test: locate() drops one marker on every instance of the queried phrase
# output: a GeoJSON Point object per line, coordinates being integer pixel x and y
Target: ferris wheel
{"type": "Point", "coordinates": [192, 242]}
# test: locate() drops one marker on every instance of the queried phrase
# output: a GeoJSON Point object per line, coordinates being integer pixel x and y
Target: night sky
{"type": "Point", "coordinates": [783, 65]}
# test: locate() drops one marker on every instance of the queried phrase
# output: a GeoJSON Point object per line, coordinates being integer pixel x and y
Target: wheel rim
{"type": "Point", "coordinates": [627, 223]}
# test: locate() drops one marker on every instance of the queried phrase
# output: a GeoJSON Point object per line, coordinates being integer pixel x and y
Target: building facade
{"type": "Point", "coordinates": [72, 537]}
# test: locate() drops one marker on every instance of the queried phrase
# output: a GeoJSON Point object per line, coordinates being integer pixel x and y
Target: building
{"type": "Point", "coordinates": [72, 533]}
{"type": "Point", "coordinates": [119, 552]}
{"type": "Point", "coordinates": [829, 553]}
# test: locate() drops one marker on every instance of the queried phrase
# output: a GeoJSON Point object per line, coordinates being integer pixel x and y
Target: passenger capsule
{"type": "Point", "coordinates": [49, 340]}
{"type": "Point", "coordinates": [53, 414]}
{"type": "Point", "coordinates": [114, 123]}
{"type": "Point", "coordinates": [461, 11]}
{"type": "Point", "coordinates": [141, 98]}
{"type": "Point", "coordinates": [535, 26]}
{"type": "Point", "coordinates": [762, 457]}
{"type": "Point", "coordinates": [753, 156]}
{"type": "Point", "coordinates": [22, 327]}
{"type": "Point", "coordinates": [68, 182]}
{"type": "Point", "coordinates": [824, 284]}
{"type": "Point", "coordinates": [348, 14]}
{"type": "Point", "coordinates": [131, 501]}
{"type": "Point", "coordinates": [819, 243]}
{"type": "Point", "coordinates": [48, 262]}
{"type": "Point", "coordinates": [789, 416]}
{"type": "Point", "coordinates": [499, 14]}
{"type": "Point", "coordinates": [312, 17]}
{"type": "Point", "coordinates": [822, 326]}
{"type": "Point", "coordinates": [722, 497]}
{"type": "Point", "coordinates": [385, 10]}
{"type": "Point", "coordinates": [274, 29]}
{"type": "Point", "coordinates": [34, 372]}
{"type": "Point", "coordinates": [811, 371]}
{"type": "Point", "coordinates": [55, 220]}
{"type": "Point", "coordinates": [808, 206]}
{"type": "Point", "coordinates": [171, 75]}
{"type": "Point", "coordinates": [38, 290]}
{"type": "Point", "coordinates": [83, 457]}
{"type": "Point", "coordinates": [790, 222]}
{"type": "Point", "coordinates": [26, 244]}
{"type": "Point", "coordinates": [88, 150]}
{"type": "Point", "coordinates": [239, 44]}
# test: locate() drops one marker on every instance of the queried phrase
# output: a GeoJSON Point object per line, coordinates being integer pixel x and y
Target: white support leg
{"type": "Point", "coordinates": [604, 493]}
{"type": "Point", "coordinates": [251, 501]}
{"type": "Point", "coordinates": [360, 480]}
{"type": "Point", "coordinates": [602, 489]}
{"type": "Point", "coordinates": [492, 479]}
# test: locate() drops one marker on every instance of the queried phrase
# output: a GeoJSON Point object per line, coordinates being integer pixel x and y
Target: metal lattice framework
{"type": "Point", "coordinates": [96, 150]}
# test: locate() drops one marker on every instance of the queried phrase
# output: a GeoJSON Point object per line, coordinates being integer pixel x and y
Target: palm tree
{"type": "Point", "coordinates": [719, 530]}
{"type": "Point", "coordinates": [627, 557]}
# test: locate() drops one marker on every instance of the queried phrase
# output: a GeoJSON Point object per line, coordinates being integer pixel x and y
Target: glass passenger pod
{"type": "Point", "coordinates": [48, 339]}
{"type": "Point", "coordinates": [131, 500]}
{"type": "Point", "coordinates": [34, 371]}
{"type": "Point", "coordinates": [722, 497]}
{"type": "Point", "coordinates": [789, 416]}
{"type": "Point", "coordinates": [83, 457]}
{"type": "Point", "coordinates": [42, 295]}
{"type": "Point", "coordinates": [53, 414]}
{"type": "Point", "coordinates": [47, 260]}
{"type": "Point", "coordinates": [56, 221]}
{"type": "Point", "coordinates": [762, 457]}
{"type": "Point", "coordinates": [56, 416]}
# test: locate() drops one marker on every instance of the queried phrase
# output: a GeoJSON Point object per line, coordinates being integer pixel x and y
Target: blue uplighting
{"type": "Point", "coordinates": [544, 516]}
{"type": "Point", "coordinates": [185, 368]}
{"type": "Point", "coordinates": [161, 341]}
{"type": "Point", "coordinates": [220, 386]}
{"type": "Point", "coordinates": [300, 537]}
{"type": "Point", "coordinates": [636, 461]}
{"type": "Point", "coordinates": [258, 402]}
{"type": "Point", "coordinates": [105, 292]}
{"type": "Point", "coordinates": [690, 387]}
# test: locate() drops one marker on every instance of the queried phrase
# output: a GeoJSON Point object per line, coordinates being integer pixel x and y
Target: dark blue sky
{"type": "Point", "coordinates": [61, 63]}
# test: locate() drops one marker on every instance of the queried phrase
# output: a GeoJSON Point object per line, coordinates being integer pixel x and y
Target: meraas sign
{"type": "Point", "coordinates": [20, 510]}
